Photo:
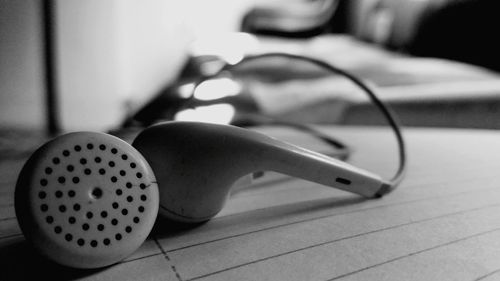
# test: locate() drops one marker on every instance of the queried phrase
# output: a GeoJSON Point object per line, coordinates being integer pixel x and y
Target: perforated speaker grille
{"type": "Point", "coordinates": [86, 199]}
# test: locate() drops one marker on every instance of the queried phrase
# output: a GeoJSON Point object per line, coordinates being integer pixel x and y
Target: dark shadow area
{"type": "Point", "coordinates": [21, 262]}
{"type": "Point", "coordinates": [166, 229]}
{"type": "Point", "coordinates": [463, 31]}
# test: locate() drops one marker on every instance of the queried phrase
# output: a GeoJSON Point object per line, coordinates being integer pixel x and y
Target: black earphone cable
{"type": "Point", "coordinates": [342, 151]}
{"type": "Point", "coordinates": [393, 182]}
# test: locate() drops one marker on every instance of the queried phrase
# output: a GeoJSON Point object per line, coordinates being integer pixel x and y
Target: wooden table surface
{"type": "Point", "coordinates": [442, 223]}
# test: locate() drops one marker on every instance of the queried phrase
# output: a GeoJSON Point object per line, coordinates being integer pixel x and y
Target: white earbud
{"type": "Point", "coordinates": [89, 200]}
{"type": "Point", "coordinates": [86, 200]}
{"type": "Point", "coordinates": [197, 163]}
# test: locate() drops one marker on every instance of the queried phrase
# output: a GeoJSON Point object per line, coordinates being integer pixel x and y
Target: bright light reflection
{"type": "Point", "coordinates": [217, 88]}
{"type": "Point", "coordinates": [231, 47]}
{"type": "Point", "coordinates": [186, 90]}
{"type": "Point", "coordinates": [218, 113]}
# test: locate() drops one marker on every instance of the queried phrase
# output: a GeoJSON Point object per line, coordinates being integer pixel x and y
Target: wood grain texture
{"type": "Point", "coordinates": [442, 223]}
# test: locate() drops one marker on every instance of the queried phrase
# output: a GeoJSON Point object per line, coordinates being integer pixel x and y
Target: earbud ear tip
{"type": "Point", "coordinates": [86, 200]}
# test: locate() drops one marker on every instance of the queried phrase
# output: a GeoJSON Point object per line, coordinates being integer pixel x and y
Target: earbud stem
{"type": "Point", "coordinates": [296, 161]}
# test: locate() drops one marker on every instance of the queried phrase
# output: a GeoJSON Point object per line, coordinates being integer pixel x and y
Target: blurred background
{"type": "Point", "coordinates": [114, 65]}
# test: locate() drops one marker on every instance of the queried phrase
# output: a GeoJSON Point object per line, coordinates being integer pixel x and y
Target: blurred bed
{"type": "Point", "coordinates": [433, 61]}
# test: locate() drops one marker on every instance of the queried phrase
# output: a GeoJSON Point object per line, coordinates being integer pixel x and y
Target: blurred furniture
{"type": "Point", "coordinates": [297, 18]}
{"type": "Point", "coordinates": [435, 61]}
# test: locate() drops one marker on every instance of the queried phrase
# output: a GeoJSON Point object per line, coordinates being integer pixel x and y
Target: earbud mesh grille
{"type": "Point", "coordinates": [92, 196]}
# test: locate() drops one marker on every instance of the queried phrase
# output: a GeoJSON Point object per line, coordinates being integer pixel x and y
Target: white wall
{"type": "Point", "coordinates": [111, 54]}
{"type": "Point", "coordinates": [154, 36]}
{"type": "Point", "coordinates": [119, 52]}
{"type": "Point", "coordinates": [21, 84]}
